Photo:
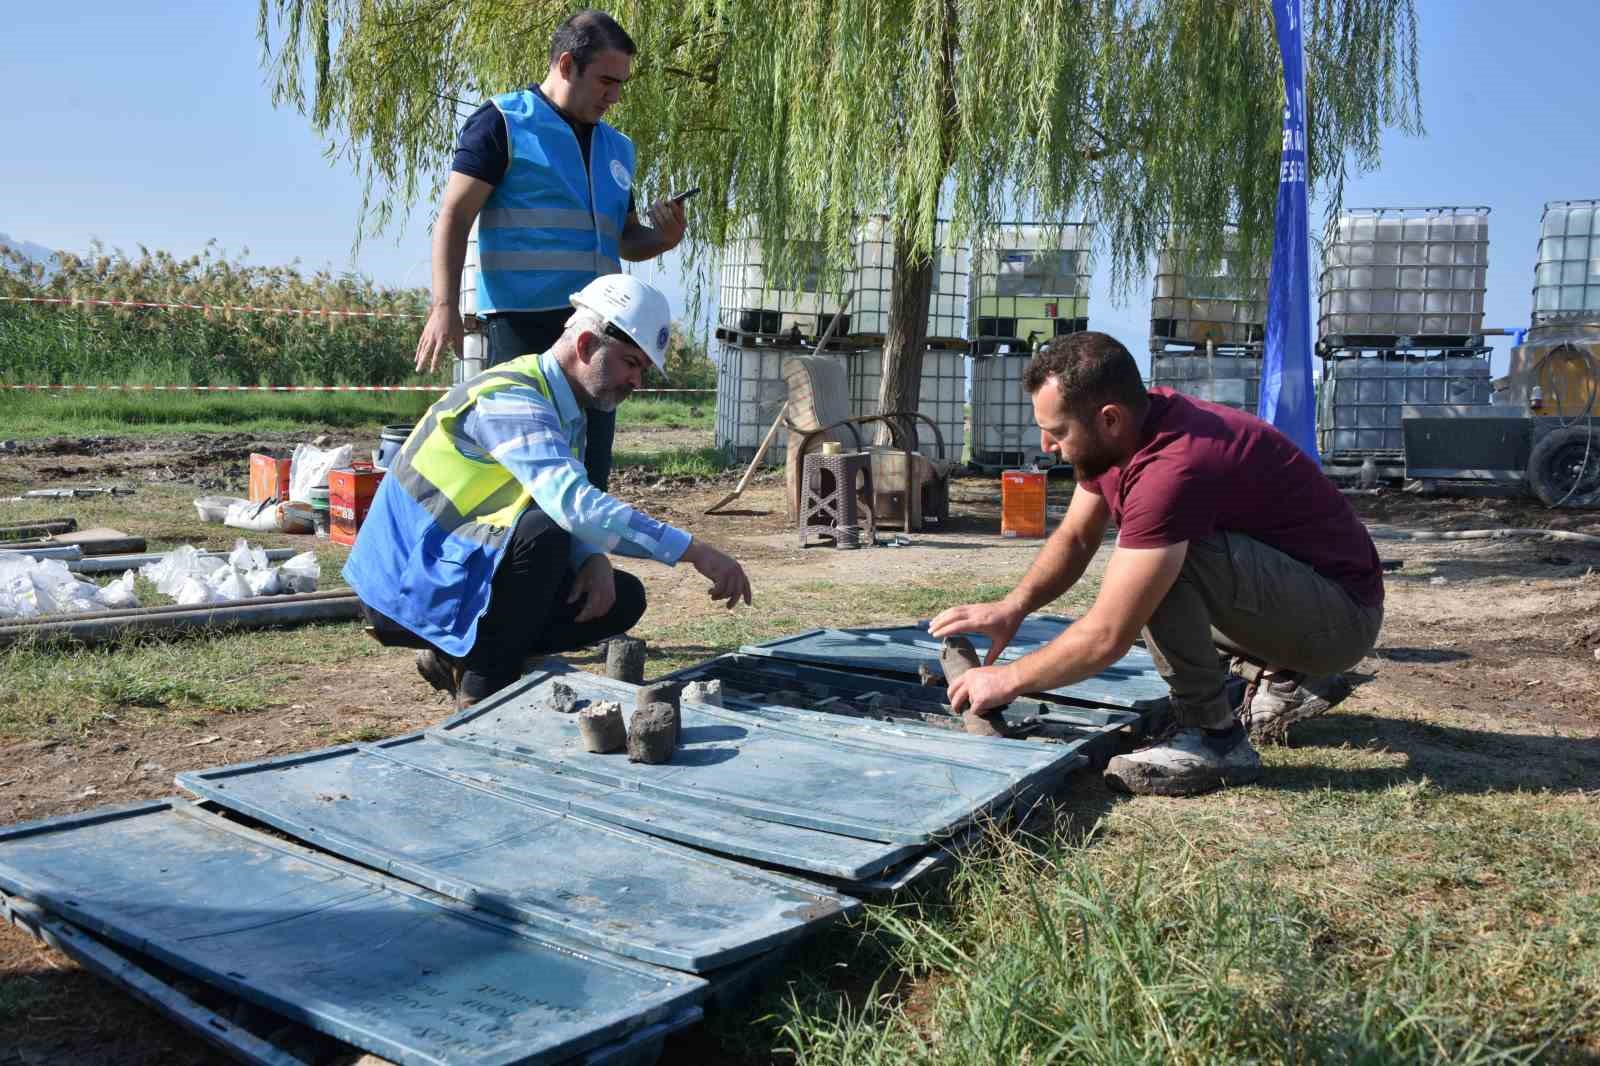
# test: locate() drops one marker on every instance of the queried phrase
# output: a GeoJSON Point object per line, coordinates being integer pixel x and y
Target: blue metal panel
{"type": "Point", "coordinates": [1078, 729]}
{"type": "Point", "coordinates": [808, 851]}
{"type": "Point", "coordinates": [112, 966]}
{"type": "Point", "coordinates": [730, 761]}
{"type": "Point", "coordinates": [600, 884]}
{"type": "Point", "coordinates": [396, 970]}
{"type": "Point", "coordinates": [1131, 682]}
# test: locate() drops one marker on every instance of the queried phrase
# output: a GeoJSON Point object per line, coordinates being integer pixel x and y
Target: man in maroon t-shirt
{"type": "Point", "coordinates": [1228, 537]}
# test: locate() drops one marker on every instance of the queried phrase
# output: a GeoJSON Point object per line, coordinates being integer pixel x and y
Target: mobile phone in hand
{"type": "Point", "coordinates": [679, 198]}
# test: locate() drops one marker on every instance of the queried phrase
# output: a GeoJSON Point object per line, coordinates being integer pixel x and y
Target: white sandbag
{"type": "Point", "coordinates": [228, 584]}
{"type": "Point", "coordinates": [191, 592]}
{"type": "Point", "coordinates": [169, 572]}
{"type": "Point", "coordinates": [256, 517]}
{"type": "Point", "coordinates": [245, 558]}
{"type": "Point", "coordinates": [309, 467]}
{"type": "Point", "coordinates": [119, 593]}
{"type": "Point", "coordinates": [263, 582]}
{"type": "Point", "coordinates": [301, 573]}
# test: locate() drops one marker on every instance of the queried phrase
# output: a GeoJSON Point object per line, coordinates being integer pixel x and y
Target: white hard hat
{"type": "Point", "coordinates": [637, 309]}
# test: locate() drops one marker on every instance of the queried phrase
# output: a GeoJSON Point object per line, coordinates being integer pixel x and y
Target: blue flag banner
{"type": "Point", "coordinates": [1288, 397]}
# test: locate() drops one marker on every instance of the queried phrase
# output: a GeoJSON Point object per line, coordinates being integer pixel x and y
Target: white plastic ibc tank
{"type": "Point", "coordinates": [757, 301]}
{"type": "Point", "coordinates": [750, 393]}
{"type": "Point", "coordinates": [1234, 381]}
{"type": "Point", "coordinates": [1194, 302]}
{"type": "Point", "coordinates": [1030, 281]}
{"type": "Point", "coordinates": [873, 281]}
{"type": "Point", "coordinates": [1393, 273]}
{"type": "Point", "coordinates": [1567, 279]}
{"type": "Point", "coordinates": [942, 396]}
{"type": "Point", "coordinates": [1362, 400]}
{"type": "Point", "coordinates": [469, 274]}
{"type": "Point", "coordinates": [1003, 430]}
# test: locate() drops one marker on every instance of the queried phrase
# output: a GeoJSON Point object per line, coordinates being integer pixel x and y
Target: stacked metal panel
{"type": "Point", "coordinates": [1030, 283]}
{"type": "Point", "coordinates": [1566, 288]}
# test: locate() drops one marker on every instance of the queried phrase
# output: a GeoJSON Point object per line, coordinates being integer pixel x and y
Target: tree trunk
{"type": "Point", "coordinates": [903, 345]}
{"type": "Point", "coordinates": [912, 288]}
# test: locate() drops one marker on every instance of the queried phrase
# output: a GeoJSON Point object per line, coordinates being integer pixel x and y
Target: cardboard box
{"type": "Point", "coordinates": [269, 478]}
{"type": "Point", "coordinates": [350, 493]}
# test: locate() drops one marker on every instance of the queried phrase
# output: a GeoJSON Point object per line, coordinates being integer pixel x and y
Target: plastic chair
{"type": "Point", "coordinates": [907, 484]}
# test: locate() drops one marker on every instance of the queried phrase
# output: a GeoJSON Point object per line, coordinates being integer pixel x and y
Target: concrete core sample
{"type": "Point", "coordinates": [562, 698]}
{"type": "Point", "coordinates": [600, 727]}
{"type": "Point", "coordinates": [651, 734]}
{"type": "Point", "coordinates": [670, 693]}
{"type": "Point", "coordinates": [704, 692]}
{"type": "Point", "coordinates": [956, 657]}
{"type": "Point", "coordinates": [625, 660]}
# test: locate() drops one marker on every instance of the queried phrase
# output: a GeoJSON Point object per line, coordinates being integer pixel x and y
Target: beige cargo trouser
{"type": "Point", "coordinates": [1247, 599]}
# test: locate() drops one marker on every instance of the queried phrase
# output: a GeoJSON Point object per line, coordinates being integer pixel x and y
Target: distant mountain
{"type": "Point", "coordinates": [36, 252]}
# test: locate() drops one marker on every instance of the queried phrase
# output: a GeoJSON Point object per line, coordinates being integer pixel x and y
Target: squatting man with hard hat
{"type": "Point", "coordinates": [487, 543]}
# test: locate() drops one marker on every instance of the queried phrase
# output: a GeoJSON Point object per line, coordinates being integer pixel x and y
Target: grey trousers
{"type": "Point", "coordinates": [1251, 600]}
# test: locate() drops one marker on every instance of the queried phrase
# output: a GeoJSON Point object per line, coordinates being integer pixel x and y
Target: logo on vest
{"type": "Point", "coordinates": [619, 173]}
{"type": "Point", "coordinates": [661, 339]}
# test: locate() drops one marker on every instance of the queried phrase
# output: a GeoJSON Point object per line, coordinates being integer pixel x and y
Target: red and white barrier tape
{"type": "Point", "coordinates": [301, 311]}
{"type": "Point", "coordinates": [282, 388]}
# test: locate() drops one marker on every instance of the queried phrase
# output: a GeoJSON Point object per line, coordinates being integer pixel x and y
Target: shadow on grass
{"type": "Point", "coordinates": [1453, 759]}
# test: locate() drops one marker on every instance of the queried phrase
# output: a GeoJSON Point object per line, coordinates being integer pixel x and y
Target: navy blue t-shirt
{"type": "Point", "coordinates": [483, 149]}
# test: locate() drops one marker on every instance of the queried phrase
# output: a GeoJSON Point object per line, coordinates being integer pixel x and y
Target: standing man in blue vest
{"type": "Point", "coordinates": [550, 187]}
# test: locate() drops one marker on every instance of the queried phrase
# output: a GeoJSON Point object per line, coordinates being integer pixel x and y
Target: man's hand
{"type": "Point", "coordinates": [983, 688]}
{"type": "Point", "coordinates": [998, 620]}
{"type": "Point", "coordinates": [727, 577]}
{"type": "Point", "coordinates": [442, 332]}
{"type": "Point", "coordinates": [595, 586]}
{"type": "Point", "coordinates": [669, 220]}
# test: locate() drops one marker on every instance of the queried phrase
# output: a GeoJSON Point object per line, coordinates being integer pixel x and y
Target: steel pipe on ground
{"type": "Point", "coordinates": [115, 564]}
{"type": "Point", "coordinates": [288, 611]}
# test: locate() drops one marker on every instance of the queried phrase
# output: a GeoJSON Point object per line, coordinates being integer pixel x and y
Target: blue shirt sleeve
{"type": "Point", "coordinates": [522, 431]}
{"type": "Point", "coordinates": [482, 150]}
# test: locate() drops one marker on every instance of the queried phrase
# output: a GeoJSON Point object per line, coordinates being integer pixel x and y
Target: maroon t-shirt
{"type": "Point", "coordinates": [1205, 468]}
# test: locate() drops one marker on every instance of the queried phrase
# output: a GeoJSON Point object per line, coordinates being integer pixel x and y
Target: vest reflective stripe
{"type": "Point", "coordinates": [545, 218]}
{"type": "Point", "coordinates": [550, 227]}
{"type": "Point", "coordinates": [549, 261]}
{"type": "Point", "coordinates": [475, 500]}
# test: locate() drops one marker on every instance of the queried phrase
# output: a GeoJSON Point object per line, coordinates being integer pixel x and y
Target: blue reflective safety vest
{"type": "Point", "coordinates": [549, 228]}
{"type": "Point", "coordinates": [433, 539]}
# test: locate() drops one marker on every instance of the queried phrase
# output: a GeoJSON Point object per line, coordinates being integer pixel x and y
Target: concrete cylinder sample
{"type": "Point", "coordinates": [670, 693]}
{"type": "Point", "coordinates": [600, 728]}
{"type": "Point", "coordinates": [704, 692]}
{"type": "Point", "coordinates": [625, 660]}
{"type": "Point", "coordinates": [651, 734]}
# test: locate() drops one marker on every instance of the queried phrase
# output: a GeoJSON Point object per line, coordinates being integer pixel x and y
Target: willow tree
{"type": "Point", "coordinates": [803, 116]}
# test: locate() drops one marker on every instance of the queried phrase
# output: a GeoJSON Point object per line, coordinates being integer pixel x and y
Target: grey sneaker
{"type": "Point", "coordinates": [1187, 763]}
{"type": "Point", "coordinates": [1282, 698]}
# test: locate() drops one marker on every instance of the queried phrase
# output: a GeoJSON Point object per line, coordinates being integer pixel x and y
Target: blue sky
{"type": "Point", "coordinates": [152, 123]}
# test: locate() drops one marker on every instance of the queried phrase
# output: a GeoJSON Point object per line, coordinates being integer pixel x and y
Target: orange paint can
{"type": "Point", "coordinates": [1022, 503]}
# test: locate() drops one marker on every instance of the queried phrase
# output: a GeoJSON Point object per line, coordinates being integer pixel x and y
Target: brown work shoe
{"type": "Point", "coordinates": [439, 671]}
{"type": "Point", "coordinates": [1283, 698]}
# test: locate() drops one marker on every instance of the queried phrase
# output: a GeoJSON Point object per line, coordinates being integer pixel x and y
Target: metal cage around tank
{"type": "Point", "coordinates": [942, 396]}
{"type": "Point", "coordinates": [779, 293]}
{"type": "Point", "coordinates": [1566, 286]}
{"type": "Point", "coordinates": [1404, 278]}
{"type": "Point", "coordinates": [1030, 282]}
{"type": "Point", "coordinates": [1198, 301]}
{"type": "Point", "coordinates": [1362, 398]}
{"type": "Point", "coordinates": [1232, 380]}
{"type": "Point", "coordinates": [872, 282]}
{"type": "Point", "coordinates": [751, 391]}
